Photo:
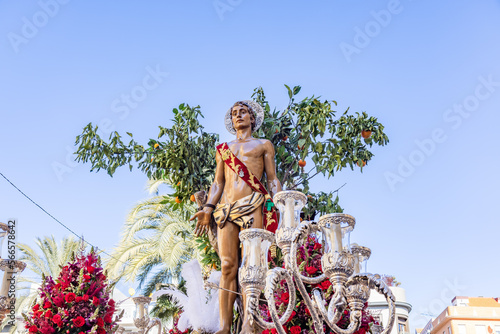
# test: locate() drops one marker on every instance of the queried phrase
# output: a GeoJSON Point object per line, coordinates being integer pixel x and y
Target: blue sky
{"type": "Point", "coordinates": [425, 204]}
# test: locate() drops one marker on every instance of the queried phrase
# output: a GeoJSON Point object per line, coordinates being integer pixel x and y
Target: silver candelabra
{"type": "Point", "coordinates": [341, 266]}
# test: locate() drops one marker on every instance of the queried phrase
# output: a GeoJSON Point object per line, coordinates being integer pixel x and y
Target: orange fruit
{"type": "Point", "coordinates": [361, 162]}
{"type": "Point", "coordinates": [302, 163]}
{"type": "Point", "coordinates": [177, 200]}
{"type": "Point", "coordinates": [276, 131]}
{"type": "Point", "coordinates": [157, 145]}
{"type": "Point", "coordinates": [285, 138]}
{"type": "Point", "coordinates": [192, 198]}
{"type": "Point", "coordinates": [151, 159]}
{"type": "Point", "coordinates": [178, 183]}
{"type": "Point", "coordinates": [300, 147]}
{"type": "Point", "coordinates": [366, 134]}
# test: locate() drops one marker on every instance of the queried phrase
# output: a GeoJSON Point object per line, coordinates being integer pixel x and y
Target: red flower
{"type": "Point", "coordinates": [70, 297]}
{"type": "Point", "coordinates": [295, 330]}
{"type": "Point", "coordinates": [100, 322]}
{"type": "Point", "coordinates": [78, 299]}
{"type": "Point", "coordinates": [48, 314]}
{"type": "Point", "coordinates": [292, 315]}
{"type": "Point", "coordinates": [90, 269]}
{"type": "Point", "coordinates": [307, 311]}
{"type": "Point", "coordinates": [284, 297]}
{"type": "Point", "coordinates": [57, 320]}
{"type": "Point", "coordinates": [274, 331]}
{"type": "Point", "coordinates": [95, 301]}
{"type": "Point", "coordinates": [111, 303]}
{"type": "Point", "coordinates": [79, 321]}
{"type": "Point", "coordinates": [317, 245]}
{"type": "Point", "coordinates": [86, 277]}
{"type": "Point", "coordinates": [266, 331]}
{"type": "Point", "coordinates": [47, 329]}
{"type": "Point", "coordinates": [85, 298]}
{"type": "Point", "coordinates": [33, 329]}
{"type": "Point", "coordinates": [36, 307]}
{"type": "Point", "coordinates": [108, 318]}
{"type": "Point", "coordinates": [58, 301]}
{"type": "Point", "coordinates": [311, 270]}
{"type": "Point", "coordinates": [325, 285]}
{"type": "Point", "coordinates": [47, 304]}
{"type": "Point", "coordinates": [100, 330]}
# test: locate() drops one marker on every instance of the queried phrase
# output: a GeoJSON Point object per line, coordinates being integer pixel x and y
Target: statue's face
{"type": "Point", "coordinates": [241, 117]}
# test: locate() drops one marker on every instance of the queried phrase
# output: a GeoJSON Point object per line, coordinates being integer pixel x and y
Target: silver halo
{"type": "Point", "coordinates": [256, 108]}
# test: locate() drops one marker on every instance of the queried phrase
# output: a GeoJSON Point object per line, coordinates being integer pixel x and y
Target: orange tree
{"type": "Point", "coordinates": [307, 130]}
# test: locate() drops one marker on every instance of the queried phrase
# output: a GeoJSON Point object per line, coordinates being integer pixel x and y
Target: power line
{"type": "Point", "coordinates": [57, 220]}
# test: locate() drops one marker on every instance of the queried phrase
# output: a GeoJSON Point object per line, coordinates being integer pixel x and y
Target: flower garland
{"type": "Point", "coordinates": [76, 303]}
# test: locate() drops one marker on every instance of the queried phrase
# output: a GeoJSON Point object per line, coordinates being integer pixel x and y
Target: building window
{"type": "Point", "coordinates": [480, 329]}
{"type": "Point", "coordinates": [402, 326]}
{"type": "Point", "coordinates": [449, 330]}
{"type": "Point", "coordinates": [461, 329]}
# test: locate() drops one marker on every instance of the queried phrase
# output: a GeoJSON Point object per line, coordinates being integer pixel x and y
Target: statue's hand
{"type": "Point", "coordinates": [203, 222]}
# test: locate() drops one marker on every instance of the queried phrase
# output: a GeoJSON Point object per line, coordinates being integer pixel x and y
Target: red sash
{"type": "Point", "coordinates": [270, 218]}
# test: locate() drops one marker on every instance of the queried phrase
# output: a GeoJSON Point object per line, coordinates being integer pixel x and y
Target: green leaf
{"type": "Point", "coordinates": [290, 94]}
{"type": "Point", "coordinates": [296, 90]}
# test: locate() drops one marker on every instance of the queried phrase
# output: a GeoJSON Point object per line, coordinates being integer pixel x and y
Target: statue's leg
{"type": "Point", "coordinates": [229, 244]}
{"type": "Point", "coordinates": [246, 328]}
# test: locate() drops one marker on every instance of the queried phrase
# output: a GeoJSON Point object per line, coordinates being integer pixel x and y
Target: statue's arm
{"type": "Point", "coordinates": [214, 195]}
{"type": "Point", "coordinates": [274, 184]}
{"type": "Point", "coordinates": [217, 187]}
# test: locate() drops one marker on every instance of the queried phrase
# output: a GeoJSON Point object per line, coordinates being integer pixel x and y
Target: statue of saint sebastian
{"type": "Point", "coordinates": [234, 201]}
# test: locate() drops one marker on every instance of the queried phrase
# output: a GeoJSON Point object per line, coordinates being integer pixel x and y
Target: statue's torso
{"type": "Point", "coordinates": [251, 153]}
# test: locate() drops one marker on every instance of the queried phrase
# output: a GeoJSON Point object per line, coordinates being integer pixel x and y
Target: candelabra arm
{"type": "Point", "coordinates": [154, 322]}
{"type": "Point", "coordinates": [379, 285]}
{"type": "Point", "coordinates": [299, 235]}
{"type": "Point", "coordinates": [336, 307]}
{"type": "Point", "coordinates": [273, 279]}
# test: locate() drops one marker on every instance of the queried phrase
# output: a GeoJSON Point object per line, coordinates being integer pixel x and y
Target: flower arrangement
{"type": "Point", "coordinates": [76, 303]}
{"type": "Point", "coordinates": [300, 322]}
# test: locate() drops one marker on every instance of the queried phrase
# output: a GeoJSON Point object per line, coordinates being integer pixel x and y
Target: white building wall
{"type": "Point", "coordinates": [378, 304]}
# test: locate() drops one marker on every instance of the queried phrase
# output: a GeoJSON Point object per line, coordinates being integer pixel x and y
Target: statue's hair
{"type": "Point", "coordinates": [250, 110]}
